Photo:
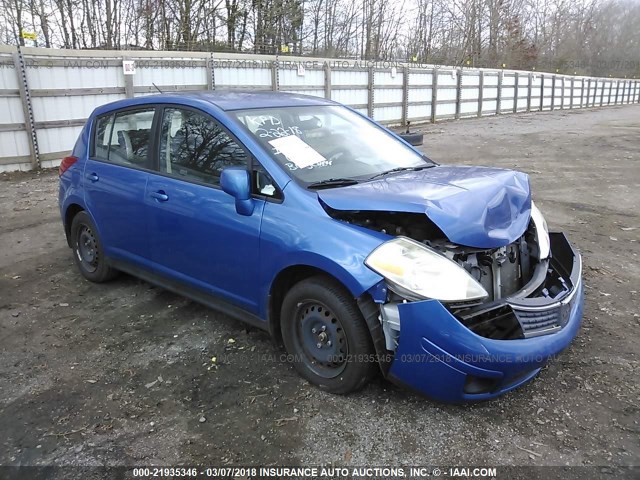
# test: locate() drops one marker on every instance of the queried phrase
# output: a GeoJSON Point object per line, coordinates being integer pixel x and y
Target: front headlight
{"type": "Point", "coordinates": [542, 232]}
{"type": "Point", "coordinates": [418, 272]}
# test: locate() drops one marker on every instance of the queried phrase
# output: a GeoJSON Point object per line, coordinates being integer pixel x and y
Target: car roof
{"type": "Point", "coordinates": [227, 99]}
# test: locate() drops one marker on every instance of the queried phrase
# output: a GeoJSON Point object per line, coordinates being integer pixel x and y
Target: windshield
{"type": "Point", "coordinates": [320, 143]}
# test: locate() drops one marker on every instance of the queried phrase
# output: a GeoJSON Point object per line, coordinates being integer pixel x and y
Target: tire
{"type": "Point", "coordinates": [415, 139]}
{"type": "Point", "coordinates": [88, 252]}
{"type": "Point", "coordinates": [326, 336]}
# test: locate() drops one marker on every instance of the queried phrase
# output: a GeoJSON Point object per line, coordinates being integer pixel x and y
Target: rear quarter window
{"type": "Point", "coordinates": [124, 137]}
{"type": "Point", "coordinates": [102, 137]}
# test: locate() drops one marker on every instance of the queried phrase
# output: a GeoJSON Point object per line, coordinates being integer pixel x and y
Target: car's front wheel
{"type": "Point", "coordinates": [326, 337]}
{"type": "Point", "coordinates": [88, 252]}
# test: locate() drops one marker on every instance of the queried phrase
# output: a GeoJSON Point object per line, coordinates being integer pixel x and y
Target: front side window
{"type": "Point", "coordinates": [195, 147]}
{"type": "Point", "coordinates": [124, 137]}
{"type": "Point", "coordinates": [319, 143]}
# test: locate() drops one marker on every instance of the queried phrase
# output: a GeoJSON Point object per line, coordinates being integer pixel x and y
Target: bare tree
{"type": "Point", "coordinates": [584, 36]}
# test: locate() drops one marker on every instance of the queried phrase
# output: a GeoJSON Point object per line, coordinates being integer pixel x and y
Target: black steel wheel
{"type": "Point", "coordinates": [87, 250]}
{"type": "Point", "coordinates": [320, 336]}
{"type": "Point", "coordinates": [326, 337]}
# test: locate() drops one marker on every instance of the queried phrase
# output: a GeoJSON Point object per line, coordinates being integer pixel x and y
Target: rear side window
{"type": "Point", "coordinates": [125, 137]}
{"type": "Point", "coordinates": [195, 147]}
{"type": "Point", "coordinates": [102, 137]}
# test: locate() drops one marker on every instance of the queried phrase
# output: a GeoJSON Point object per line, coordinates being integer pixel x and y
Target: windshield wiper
{"type": "Point", "coordinates": [333, 182]}
{"type": "Point", "coordinates": [400, 169]}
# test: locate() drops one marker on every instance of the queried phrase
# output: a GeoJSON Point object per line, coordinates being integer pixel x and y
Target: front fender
{"type": "Point", "coordinates": [356, 280]}
{"type": "Point", "coordinates": [292, 236]}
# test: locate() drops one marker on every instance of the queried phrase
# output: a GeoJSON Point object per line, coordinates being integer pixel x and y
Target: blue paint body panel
{"type": "Point", "coordinates": [436, 353]}
{"type": "Point", "coordinates": [196, 237]}
{"type": "Point", "coordinates": [474, 206]}
{"type": "Point", "coordinates": [116, 203]}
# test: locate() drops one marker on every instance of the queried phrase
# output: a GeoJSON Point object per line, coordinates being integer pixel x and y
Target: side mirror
{"type": "Point", "coordinates": [237, 183]}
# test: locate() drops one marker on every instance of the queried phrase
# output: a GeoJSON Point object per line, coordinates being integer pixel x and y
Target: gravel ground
{"type": "Point", "coordinates": [122, 373]}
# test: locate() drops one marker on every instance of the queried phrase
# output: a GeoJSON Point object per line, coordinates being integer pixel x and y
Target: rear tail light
{"type": "Point", "coordinates": [66, 163]}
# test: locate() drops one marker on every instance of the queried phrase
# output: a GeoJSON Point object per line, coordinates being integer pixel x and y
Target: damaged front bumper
{"type": "Point", "coordinates": [442, 358]}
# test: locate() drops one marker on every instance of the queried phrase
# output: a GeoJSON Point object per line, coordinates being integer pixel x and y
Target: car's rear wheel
{"type": "Point", "coordinates": [326, 337]}
{"type": "Point", "coordinates": [88, 252]}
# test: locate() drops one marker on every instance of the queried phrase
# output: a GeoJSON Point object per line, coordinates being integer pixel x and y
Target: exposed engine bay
{"type": "Point", "coordinates": [501, 271]}
{"type": "Point", "coordinates": [515, 271]}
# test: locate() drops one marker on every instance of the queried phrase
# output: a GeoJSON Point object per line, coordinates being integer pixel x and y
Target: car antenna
{"type": "Point", "coordinates": [156, 87]}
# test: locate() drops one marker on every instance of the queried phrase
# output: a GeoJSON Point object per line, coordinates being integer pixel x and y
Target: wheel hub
{"type": "Point", "coordinates": [322, 339]}
{"type": "Point", "coordinates": [87, 250]}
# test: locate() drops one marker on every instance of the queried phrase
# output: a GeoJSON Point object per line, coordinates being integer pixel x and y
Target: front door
{"type": "Point", "coordinates": [196, 234]}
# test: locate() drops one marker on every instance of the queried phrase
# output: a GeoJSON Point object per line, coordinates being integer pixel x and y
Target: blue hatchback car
{"type": "Point", "coordinates": [302, 217]}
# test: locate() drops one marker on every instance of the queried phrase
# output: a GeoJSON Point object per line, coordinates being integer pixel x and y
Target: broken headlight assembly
{"type": "Point", "coordinates": [417, 272]}
{"type": "Point", "coordinates": [542, 232]}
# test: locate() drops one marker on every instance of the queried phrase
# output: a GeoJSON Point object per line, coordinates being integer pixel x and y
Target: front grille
{"type": "Point", "coordinates": [497, 322]}
{"type": "Point", "coordinates": [544, 321]}
{"type": "Point", "coordinates": [537, 321]}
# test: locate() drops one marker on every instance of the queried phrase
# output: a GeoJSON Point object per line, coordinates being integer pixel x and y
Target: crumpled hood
{"type": "Point", "coordinates": [474, 206]}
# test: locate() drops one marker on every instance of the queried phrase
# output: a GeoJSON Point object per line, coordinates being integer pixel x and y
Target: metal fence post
{"type": "Point", "coordinates": [571, 96]}
{"type": "Point", "coordinates": [458, 92]}
{"type": "Point", "coordinates": [499, 98]}
{"type": "Point", "coordinates": [588, 92]}
{"type": "Point", "coordinates": [405, 95]}
{"type": "Point", "coordinates": [602, 95]}
{"type": "Point", "coordinates": [553, 92]}
{"type": "Point", "coordinates": [499, 93]}
{"type": "Point", "coordinates": [617, 91]}
{"type": "Point", "coordinates": [128, 83]}
{"type": "Point", "coordinates": [595, 93]}
{"type": "Point", "coordinates": [211, 74]}
{"type": "Point", "coordinates": [529, 87]}
{"type": "Point", "coordinates": [371, 88]}
{"type": "Point", "coordinates": [327, 80]}
{"type": "Point", "coordinates": [434, 94]}
{"type": "Point", "coordinates": [480, 92]}
{"type": "Point", "coordinates": [541, 92]}
{"type": "Point", "coordinates": [275, 76]}
{"type": "Point", "coordinates": [582, 94]}
{"type": "Point", "coordinates": [27, 109]}
{"type": "Point", "coordinates": [562, 94]}
{"type": "Point", "coordinates": [610, 91]}
{"type": "Point", "coordinates": [515, 92]}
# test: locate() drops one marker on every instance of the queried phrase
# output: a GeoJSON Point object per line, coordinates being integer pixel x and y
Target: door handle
{"type": "Point", "coordinates": [160, 196]}
{"type": "Point", "coordinates": [93, 177]}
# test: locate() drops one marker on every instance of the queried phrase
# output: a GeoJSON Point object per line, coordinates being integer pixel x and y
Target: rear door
{"type": "Point", "coordinates": [196, 235]}
{"type": "Point", "coordinates": [116, 175]}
